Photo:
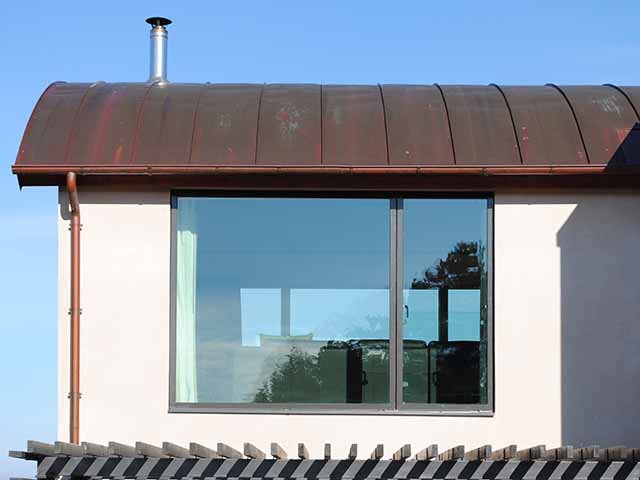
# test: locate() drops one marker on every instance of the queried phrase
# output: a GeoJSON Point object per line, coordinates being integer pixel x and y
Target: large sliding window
{"type": "Point", "coordinates": [340, 304]}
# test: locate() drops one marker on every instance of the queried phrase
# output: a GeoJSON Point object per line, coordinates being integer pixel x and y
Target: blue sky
{"type": "Point", "coordinates": [506, 42]}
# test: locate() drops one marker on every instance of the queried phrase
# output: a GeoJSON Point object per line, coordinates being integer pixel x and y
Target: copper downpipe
{"type": "Point", "coordinates": [74, 390]}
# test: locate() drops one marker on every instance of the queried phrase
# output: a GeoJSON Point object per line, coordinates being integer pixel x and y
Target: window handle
{"type": "Point", "coordinates": [406, 311]}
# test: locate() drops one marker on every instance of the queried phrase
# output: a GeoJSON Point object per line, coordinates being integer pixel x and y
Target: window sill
{"type": "Point", "coordinates": [313, 410]}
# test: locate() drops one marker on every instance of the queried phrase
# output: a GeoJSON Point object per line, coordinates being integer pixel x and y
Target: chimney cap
{"type": "Point", "coordinates": [158, 21]}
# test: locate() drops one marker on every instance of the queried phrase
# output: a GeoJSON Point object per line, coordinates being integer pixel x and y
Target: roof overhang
{"type": "Point", "coordinates": [337, 178]}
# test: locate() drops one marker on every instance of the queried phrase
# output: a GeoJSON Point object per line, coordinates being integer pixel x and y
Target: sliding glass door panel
{"type": "Point", "coordinates": [283, 300]}
{"type": "Point", "coordinates": [444, 294]}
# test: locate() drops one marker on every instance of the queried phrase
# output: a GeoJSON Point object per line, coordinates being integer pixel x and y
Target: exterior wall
{"type": "Point", "coordinates": [566, 323]}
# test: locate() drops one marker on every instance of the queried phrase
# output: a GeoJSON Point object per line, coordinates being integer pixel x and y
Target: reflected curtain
{"type": "Point", "coordinates": [186, 253]}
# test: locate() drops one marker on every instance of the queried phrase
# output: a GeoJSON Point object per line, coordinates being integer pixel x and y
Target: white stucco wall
{"type": "Point", "coordinates": [567, 326]}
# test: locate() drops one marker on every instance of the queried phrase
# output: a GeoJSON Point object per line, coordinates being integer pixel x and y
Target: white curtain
{"type": "Point", "coordinates": [186, 250]}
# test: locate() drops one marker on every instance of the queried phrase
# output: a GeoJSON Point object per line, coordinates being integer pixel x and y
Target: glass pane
{"type": "Point", "coordinates": [445, 301]}
{"type": "Point", "coordinates": [464, 312]}
{"type": "Point", "coordinates": [282, 300]}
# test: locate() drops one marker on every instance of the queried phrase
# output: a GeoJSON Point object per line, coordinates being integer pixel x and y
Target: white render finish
{"type": "Point", "coordinates": [567, 329]}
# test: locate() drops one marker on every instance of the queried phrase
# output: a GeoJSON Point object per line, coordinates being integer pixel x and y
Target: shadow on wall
{"type": "Point", "coordinates": [600, 310]}
{"type": "Point", "coordinates": [120, 195]}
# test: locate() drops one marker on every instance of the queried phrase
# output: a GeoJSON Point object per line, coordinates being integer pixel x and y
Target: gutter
{"type": "Point", "coordinates": [519, 170]}
{"type": "Point", "coordinates": [74, 311]}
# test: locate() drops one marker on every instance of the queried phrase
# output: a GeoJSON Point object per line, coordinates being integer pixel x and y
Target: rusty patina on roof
{"type": "Point", "coordinates": [137, 129]}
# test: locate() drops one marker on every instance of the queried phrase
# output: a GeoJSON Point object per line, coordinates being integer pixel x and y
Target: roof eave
{"type": "Point", "coordinates": [263, 176]}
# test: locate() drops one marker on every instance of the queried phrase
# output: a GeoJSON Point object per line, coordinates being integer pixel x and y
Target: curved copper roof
{"type": "Point", "coordinates": [136, 128]}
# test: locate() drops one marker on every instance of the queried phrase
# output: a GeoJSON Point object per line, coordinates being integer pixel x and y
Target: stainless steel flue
{"type": "Point", "coordinates": [158, 52]}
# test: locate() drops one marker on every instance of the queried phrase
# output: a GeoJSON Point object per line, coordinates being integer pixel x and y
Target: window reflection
{"type": "Point", "coordinates": [287, 301]}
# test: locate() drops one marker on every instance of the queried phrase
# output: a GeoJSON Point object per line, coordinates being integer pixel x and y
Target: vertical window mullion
{"type": "Point", "coordinates": [489, 303]}
{"type": "Point", "coordinates": [393, 300]}
{"type": "Point", "coordinates": [399, 304]}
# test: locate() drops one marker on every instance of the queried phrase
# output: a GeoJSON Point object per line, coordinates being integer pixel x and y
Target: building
{"type": "Point", "coordinates": [374, 264]}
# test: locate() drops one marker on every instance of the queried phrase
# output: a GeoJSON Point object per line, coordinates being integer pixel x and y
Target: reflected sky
{"type": "Point", "coordinates": [325, 314]}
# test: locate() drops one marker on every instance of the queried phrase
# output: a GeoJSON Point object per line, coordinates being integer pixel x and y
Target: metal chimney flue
{"type": "Point", "coordinates": [158, 52]}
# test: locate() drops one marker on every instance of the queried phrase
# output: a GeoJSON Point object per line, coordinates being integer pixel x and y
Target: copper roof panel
{"type": "Point", "coordinates": [289, 132]}
{"type": "Point", "coordinates": [481, 126]}
{"type": "Point", "coordinates": [48, 132]}
{"type": "Point", "coordinates": [105, 125]}
{"type": "Point", "coordinates": [165, 125]}
{"type": "Point", "coordinates": [226, 125]}
{"type": "Point", "coordinates": [353, 126]}
{"type": "Point", "coordinates": [417, 125]}
{"type": "Point", "coordinates": [606, 119]}
{"type": "Point", "coordinates": [546, 128]}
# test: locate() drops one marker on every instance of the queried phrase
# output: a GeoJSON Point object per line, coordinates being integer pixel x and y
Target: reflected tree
{"type": "Point", "coordinates": [351, 372]}
{"type": "Point", "coordinates": [295, 379]}
{"type": "Point", "coordinates": [463, 268]}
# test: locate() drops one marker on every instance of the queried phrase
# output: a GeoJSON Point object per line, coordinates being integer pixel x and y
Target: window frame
{"type": "Point", "coordinates": [395, 406]}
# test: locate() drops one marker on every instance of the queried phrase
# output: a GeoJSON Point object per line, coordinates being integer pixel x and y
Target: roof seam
{"type": "Point", "coordinates": [513, 123]}
{"type": "Point", "coordinates": [624, 94]}
{"type": "Point", "coordinates": [575, 118]}
{"type": "Point", "coordinates": [384, 119]}
{"type": "Point", "coordinates": [74, 128]}
{"type": "Point", "coordinates": [195, 118]}
{"type": "Point", "coordinates": [446, 110]}
{"type": "Point", "coordinates": [134, 142]}
{"type": "Point", "coordinates": [255, 156]}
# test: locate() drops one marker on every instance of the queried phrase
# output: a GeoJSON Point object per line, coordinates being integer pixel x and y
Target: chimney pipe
{"type": "Point", "coordinates": [158, 53]}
